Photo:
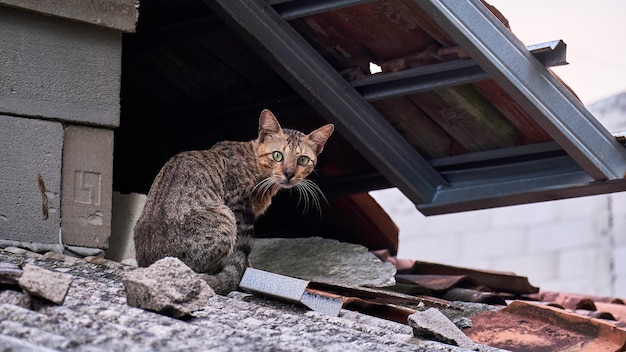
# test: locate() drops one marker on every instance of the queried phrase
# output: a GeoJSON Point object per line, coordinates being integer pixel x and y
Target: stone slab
{"type": "Point", "coordinates": [114, 14]}
{"type": "Point", "coordinates": [30, 182]}
{"type": "Point", "coordinates": [57, 69]}
{"type": "Point", "coordinates": [322, 260]}
{"type": "Point", "coordinates": [87, 186]}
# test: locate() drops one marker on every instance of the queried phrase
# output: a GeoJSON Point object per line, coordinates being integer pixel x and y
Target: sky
{"type": "Point", "coordinates": [595, 34]}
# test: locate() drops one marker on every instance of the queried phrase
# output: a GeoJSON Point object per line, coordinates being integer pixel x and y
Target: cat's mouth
{"type": "Point", "coordinates": [285, 183]}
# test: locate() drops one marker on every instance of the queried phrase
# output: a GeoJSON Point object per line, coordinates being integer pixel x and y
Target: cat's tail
{"type": "Point", "coordinates": [228, 279]}
{"type": "Point", "coordinates": [222, 283]}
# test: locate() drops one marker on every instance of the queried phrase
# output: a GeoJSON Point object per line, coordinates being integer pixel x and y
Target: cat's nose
{"type": "Point", "coordinates": [289, 174]}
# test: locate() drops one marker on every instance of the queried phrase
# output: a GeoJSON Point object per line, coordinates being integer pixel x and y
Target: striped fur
{"type": "Point", "coordinates": [202, 205]}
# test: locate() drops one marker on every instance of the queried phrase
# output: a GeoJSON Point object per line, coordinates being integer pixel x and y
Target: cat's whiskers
{"type": "Point", "coordinates": [311, 194]}
{"type": "Point", "coordinates": [260, 189]}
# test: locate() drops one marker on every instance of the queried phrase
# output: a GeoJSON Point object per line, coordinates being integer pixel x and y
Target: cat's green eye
{"type": "Point", "coordinates": [303, 160]}
{"type": "Point", "coordinates": [277, 156]}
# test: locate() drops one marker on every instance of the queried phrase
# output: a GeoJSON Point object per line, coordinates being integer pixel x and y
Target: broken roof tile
{"type": "Point", "coordinates": [498, 281]}
{"type": "Point", "coordinates": [532, 327]}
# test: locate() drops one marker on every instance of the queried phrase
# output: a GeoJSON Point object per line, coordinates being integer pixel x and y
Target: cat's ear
{"type": "Point", "coordinates": [320, 136]}
{"type": "Point", "coordinates": [268, 124]}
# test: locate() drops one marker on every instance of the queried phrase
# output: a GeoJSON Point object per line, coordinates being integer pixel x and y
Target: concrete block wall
{"type": "Point", "coordinates": [57, 69]}
{"type": "Point", "coordinates": [572, 245]}
{"type": "Point", "coordinates": [87, 186]}
{"type": "Point", "coordinates": [30, 182]}
{"type": "Point", "coordinates": [59, 101]}
{"type": "Point", "coordinates": [568, 245]}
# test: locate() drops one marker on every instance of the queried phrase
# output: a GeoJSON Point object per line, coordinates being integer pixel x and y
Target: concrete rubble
{"type": "Point", "coordinates": [49, 285]}
{"type": "Point", "coordinates": [95, 316]}
{"type": "Point", "coordinates": [431, 324]}
{"type": "Point", "coordinates": [168, 287]}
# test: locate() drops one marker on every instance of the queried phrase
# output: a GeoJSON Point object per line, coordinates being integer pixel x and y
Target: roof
{"type": "Point", "coordinates": [462, 117]}
{"type": "Point", "coordinates": [95, 316]}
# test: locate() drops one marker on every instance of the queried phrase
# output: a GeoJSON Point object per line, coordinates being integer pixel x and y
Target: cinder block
{"type": "Point", "coordinates": [439, 248]}
{"type": "Point", "coordinates": [475, 221]}
{"type": "Point", "coordinates": [585, 262]}
{"type": "Point", "coordinates": [472, 263]}
{"type": "Point", "coordinates": [619, 228]}
{"type": "Point", "coordinates": [619, 255]}
{"type": "Point", "coordinates": [57, 69]}
{"type": "Point", "coordinates": [30, 182]}
{"type": "Point", "coordinates": [619, 202]}
{"type": "Point", "coordinates": [618, 213]}
{"type": "Point", "coordinates": [493, 244]}
{"type": "Point", "coordinates": [537, 267]}
{"type": "Point", "coordinates": [581, 207]}
{"type": "Point", "coordinates": [560, 235]}
{"type": "Point", "coordinates": [619, 287]}
{"type": "Point", "coordinates": [525, 215]}
{"type": "Point", "coordinates": [87, 186]}
{"type": "Point", "coordinates": [580, 286]}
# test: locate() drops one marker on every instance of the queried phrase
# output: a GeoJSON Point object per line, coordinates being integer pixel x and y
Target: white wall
{"type": "Point", "coordinates": [573, 245]}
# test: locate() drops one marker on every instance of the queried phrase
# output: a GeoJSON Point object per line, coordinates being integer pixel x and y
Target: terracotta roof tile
{"type": "Point", "coordinates": [530, 327]}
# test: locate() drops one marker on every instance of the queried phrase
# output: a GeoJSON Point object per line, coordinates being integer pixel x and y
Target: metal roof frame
{"type": "Point", "coordinates": [445, 74]}
{"type": "Point", "coordinates": [589, 160]}
{"type": "Point", "coordinates": [333, 97]}
{"type": "Point", "coordinates": [529, 83]}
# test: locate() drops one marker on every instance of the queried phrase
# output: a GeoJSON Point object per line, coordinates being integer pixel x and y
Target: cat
{"type": "Point", "coordinates": [202, 205]}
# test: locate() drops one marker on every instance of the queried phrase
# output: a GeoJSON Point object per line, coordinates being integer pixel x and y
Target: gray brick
{"type": "Point", "coordinates": [559, 236]}
{"type": "Point", "coordinates": [56, 69]}
{"type": "Point", "coordinates": [30, 180]}
{"type": "Point", "coordinates": [116, 14]}
{"type": "Point", "coordinates": [87, 183]}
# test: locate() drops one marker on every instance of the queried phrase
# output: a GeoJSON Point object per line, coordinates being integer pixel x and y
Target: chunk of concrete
{"type": "Point", "coordinates": [431, 324]}
{"type": "Point", "coordinates": [126, 211]}
{"type": "Point", "coordinates": [58, 69]}
{"type": "Point", "coordinates": [31, 181]}
{"type": "Point", "coordinates": [322, 260]}
{"type": "Point", "coordinates": [50, 285]}
{"type": "Point", "coordinates": [87, 186]}
{"type": "Point", "coordinates": [168, 287]}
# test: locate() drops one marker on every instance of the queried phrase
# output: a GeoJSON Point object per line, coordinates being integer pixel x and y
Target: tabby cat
{"type": "Point", "coordinates": [202, 205]}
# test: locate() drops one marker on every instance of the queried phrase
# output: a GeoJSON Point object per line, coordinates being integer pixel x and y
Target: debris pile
{"type": "Point", "coordinates": [57, 301]}
{"type": "Point", "coordinates": [95, 316]}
